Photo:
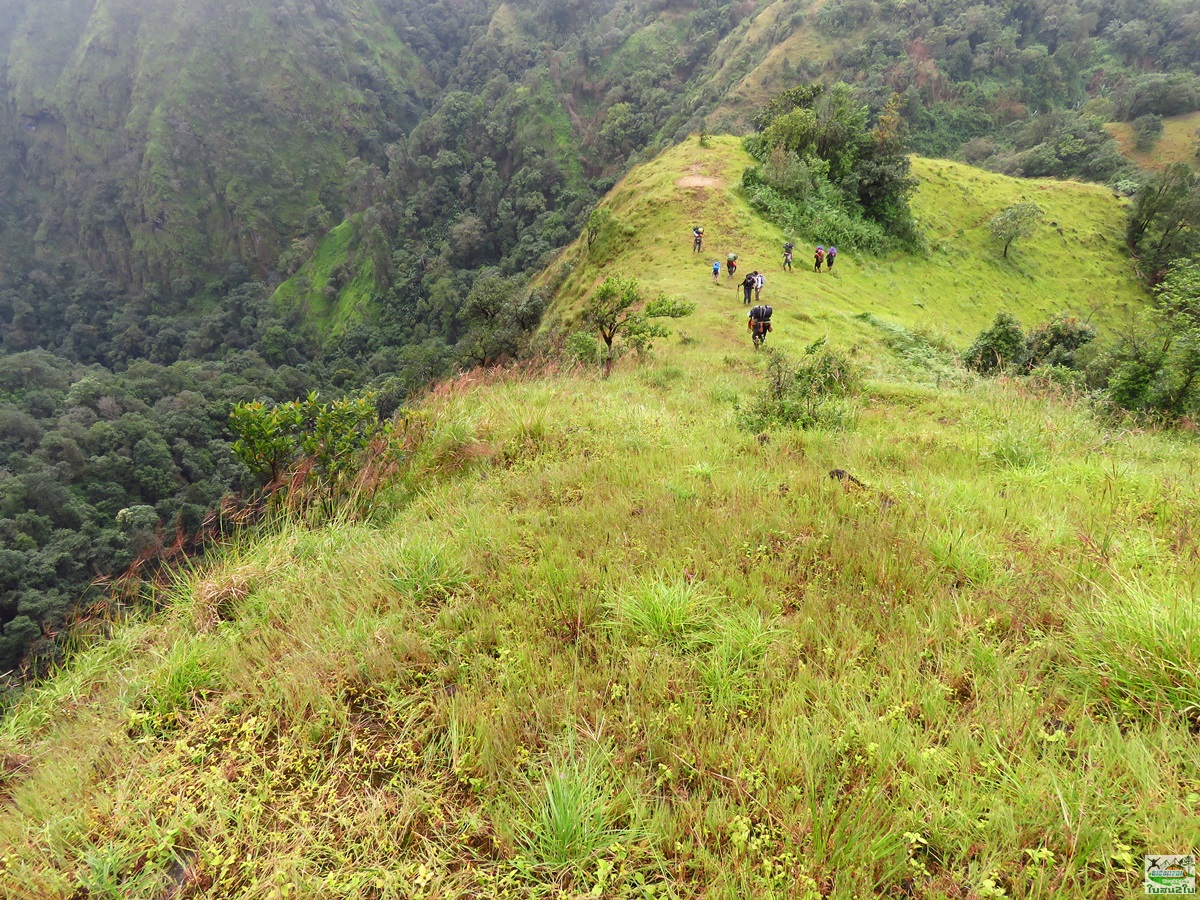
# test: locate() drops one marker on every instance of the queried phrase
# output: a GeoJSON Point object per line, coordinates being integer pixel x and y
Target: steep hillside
{"type": "Point", "coordinates": [600, 639]}
{"type": "Point", "coordinates": [168, 140]}
{"type": "Point", "coordinates": [1075, 263]}
{"type": "Point", "coordinates": [1179, 142]}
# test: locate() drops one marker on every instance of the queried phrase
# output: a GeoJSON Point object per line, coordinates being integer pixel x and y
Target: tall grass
{"type": "Point", "coordinates": [1138, 645]}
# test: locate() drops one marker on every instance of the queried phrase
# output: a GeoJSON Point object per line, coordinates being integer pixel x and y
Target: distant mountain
{"type": "Point", "coordinates": [156, 142]}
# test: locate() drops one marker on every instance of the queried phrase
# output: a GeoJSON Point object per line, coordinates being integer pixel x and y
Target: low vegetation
{"type": "Point", "coordinates": [605, 637]}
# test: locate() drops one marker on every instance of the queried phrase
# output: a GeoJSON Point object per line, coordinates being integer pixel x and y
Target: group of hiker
{"type": "Point", "coordinates": [759, 317]}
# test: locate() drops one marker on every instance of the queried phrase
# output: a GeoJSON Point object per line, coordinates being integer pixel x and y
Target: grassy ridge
{"type": "Point", "coordinates": [600, 641]}
{"type": "Point", "coordinates": [1075, 262]}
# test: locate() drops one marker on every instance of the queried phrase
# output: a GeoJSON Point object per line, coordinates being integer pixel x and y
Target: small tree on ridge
{"type": "Point", "coordinates": [618, 310]}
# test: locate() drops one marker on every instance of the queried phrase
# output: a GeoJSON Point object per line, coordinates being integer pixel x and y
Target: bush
{"type": "Point", "coordinates": [1001, 345]}
{"type": "Point", "coordinates": [583, 348]}
{"type": "Point", "coordinates": [1056, 342]}
{"type": "Point", "coordinates": [815, 392]}
{"type": "Point", "coordinates": [1147, 130]}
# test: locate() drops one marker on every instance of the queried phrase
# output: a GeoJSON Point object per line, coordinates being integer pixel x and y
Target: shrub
{"type": "Point", "coordinates": [1055, 343]}
{"type": "Point", "coordinates": [814, 392]}
{"type": "Point", "coordinates": [1001, 345]}
{"type": "Point", "coordinates": [583, 348]}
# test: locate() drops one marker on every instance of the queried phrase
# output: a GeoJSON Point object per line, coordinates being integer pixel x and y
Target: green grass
{"type": "Point", "coordinates": [1179, 142]}
{"type": "Point", "coordinates": [599, 640]}
{"type": "Point", "coordinates": [307, 288]}
{"type": "Point", "coordinates": [1075, 263]}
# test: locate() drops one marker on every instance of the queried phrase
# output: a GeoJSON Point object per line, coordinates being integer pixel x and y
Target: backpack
{"type": "Point", "coordinates": [762, 282]}
{"type": "Point", "coordinates": [789, 246]}
{"type": "Point", "coordinates": [831, 252]}
{"type": "Point", "coordinates": [761, 313]}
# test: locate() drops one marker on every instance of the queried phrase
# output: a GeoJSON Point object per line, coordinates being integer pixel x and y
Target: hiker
{"type": "Point", "coordinates": [787, 255]}
{"type": "Point", "coordinates": [818, 258]}
{"type": "Point", "coordinates": [731, 264]}
{"type": "Point", "coordinates": [716, 270]}
{"type": "Point", "coordinates": [697, 239]}
{"type": "Point", "coordinates": [748, 284]}
{"type": "Point", "coordinates": [758, 322]}
{"type": "Point", "coordinates": [830, 256]}
{"type": "Point", "coordinates": [760, 281]}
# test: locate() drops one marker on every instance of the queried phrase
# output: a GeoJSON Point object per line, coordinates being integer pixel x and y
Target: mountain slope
{"type": "Point", "coordinates": [600, 640]}
{"type": "Point", "coordinates": [1075, 263]}
{"type": "Point", "coordinates": [170, 139]}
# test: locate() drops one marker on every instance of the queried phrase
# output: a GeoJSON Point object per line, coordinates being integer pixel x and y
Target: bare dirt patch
{"type": "Point", "coordinates": [698, 181]}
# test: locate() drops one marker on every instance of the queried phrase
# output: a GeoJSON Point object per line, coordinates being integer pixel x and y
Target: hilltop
{"type": "Point", "coordinates": [1076, 262]}
{"type": "Point", "coordinates": [599, 639]}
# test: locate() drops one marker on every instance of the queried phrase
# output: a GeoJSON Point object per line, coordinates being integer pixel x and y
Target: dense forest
{"type": "Point", "coordinates": [208, 203]}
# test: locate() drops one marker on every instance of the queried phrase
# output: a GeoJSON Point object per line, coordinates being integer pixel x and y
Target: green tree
{"type": "Point", "coordinates": [1164, 222]}
{"type": "Point", "coordinates": [1147, 130]}
{"type": "Point", "coordinates": [617, 309]}
{"type": "Point", "coordinates": [1016, 221]}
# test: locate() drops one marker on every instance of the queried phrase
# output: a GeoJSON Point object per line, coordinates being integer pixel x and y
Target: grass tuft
{"type": "Point", "coordinates": [676, 613]}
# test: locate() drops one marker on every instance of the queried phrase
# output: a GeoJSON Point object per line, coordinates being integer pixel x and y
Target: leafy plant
{"type": "Point", "coordinates": [1001, 345]}
{"type": "Point", "coordinates": [1017, 221]}
{"type": "Point", "coordinates": [617, 310]}
{"type": "Point", "coordinates": [813, 392]}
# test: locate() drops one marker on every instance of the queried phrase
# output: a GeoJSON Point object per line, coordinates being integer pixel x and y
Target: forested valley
{"type": "Point", "coordinates": [212, 203]}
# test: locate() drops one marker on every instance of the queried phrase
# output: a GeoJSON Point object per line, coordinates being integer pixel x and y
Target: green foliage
{"type": "Point", "coordinates": [1164, 221]}
{"type": "Point", "coordinates": [617, 310]}
{"type": "Point", "coordinates": [1056, 343]}
{"type": "Point", "coordinates": [824, 173]}
{"type": "Point", "coordinates": [1017, 221]}
{"type": "Point", "coordinates": [267, 437]}
{"type": "Point", "coordinates": [1001, 345]}
{"type": "Point", "coordinates": [1153, 368]}
{"type": "Point", "coordinates": [501, 314]}
{"type": "Point", "coordinates": [1005, 347]}
{"type": "Point", "coordinates": [816, 391]}
{"type": "Point", "coordinates": [1147, 130]}
{"type": "Point", "coordinates": [325, 440]}
{"type": "Point", "coordinates": [1058, 144]}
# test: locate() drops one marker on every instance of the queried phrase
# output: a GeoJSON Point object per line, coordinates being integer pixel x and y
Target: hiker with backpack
{"type": "Point", "coordinates": [818, 258]}
{"type": "Point", "coordinates": [716, 270]}
{"type": "Point", "coordinates": [697, 239]}
{"type": "Point", "coordinates": [748, 284]}
{"type": "Point", "coordinates": [758, 322]}
{"type": "Point", "coordinates": [760, 281]}
{"type": "Point", "coordinates": [787, 255]}
{"type": "Point", "coordinates": [830, 256]}
{"type": "Point", "coordinates": [731, 264]}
